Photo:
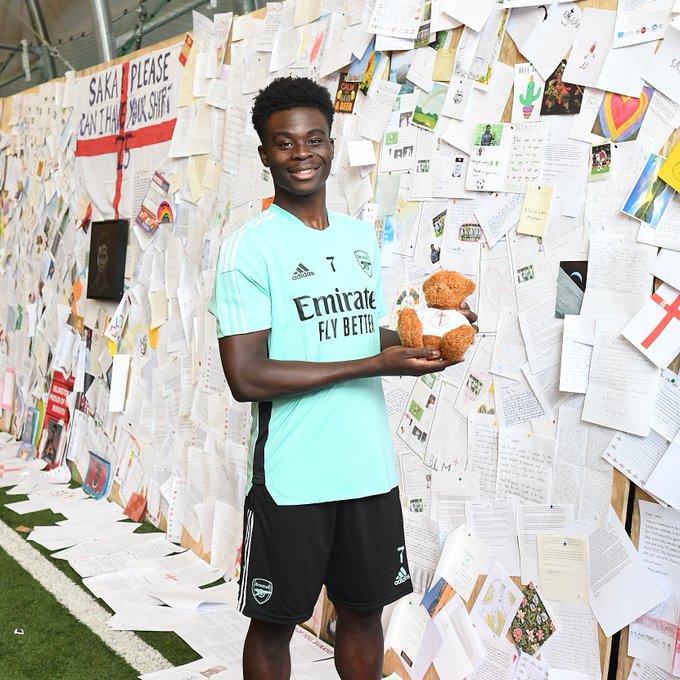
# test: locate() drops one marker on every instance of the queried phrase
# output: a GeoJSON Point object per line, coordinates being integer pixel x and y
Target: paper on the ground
{"type": "Point", "coordinates": [461, 561]}
{"type": "Point", "coordinates": [493, 522]}
{"type": "Point", "coordinates": [655, 329]}
{"type": "Point", "coordinates": [623, 383]}
{"type": "Point", "coordinates": [497, 602]}
{"type": "Point", "coordinates": [210, 667]}
{"type": "Point", "coordinates": [576, 628]}
{"type": "Point", "coordinates": [616, 567]}
{"type": "Point", "coordinates": [563, 567]}
{"type": "Point", "coordinates": [191, 598]}
{"type": "Point", "coordinates": [638, 22]}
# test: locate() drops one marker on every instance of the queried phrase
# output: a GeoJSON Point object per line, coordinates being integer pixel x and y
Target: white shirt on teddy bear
{"type": "Point", "coordinates": [439, 321]}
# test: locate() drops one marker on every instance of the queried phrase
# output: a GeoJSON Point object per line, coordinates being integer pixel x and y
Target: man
{"type": "Point", "coordinates": [298, 294]}
{"type": "Point", "coordinates": [487, 137]}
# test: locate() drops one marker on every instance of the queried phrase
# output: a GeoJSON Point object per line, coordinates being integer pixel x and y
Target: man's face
{"type": "Point", "coordinates": [102, 258]}
{"type": "Point", "coordinates": [298, 150]}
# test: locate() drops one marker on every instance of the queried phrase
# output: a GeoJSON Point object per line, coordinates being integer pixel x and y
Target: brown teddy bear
{"type": "Point", "coordinates": [438, 323]}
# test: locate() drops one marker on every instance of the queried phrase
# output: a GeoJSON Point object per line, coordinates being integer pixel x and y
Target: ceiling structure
{"type": "Point", "coordinates": [68, 28]}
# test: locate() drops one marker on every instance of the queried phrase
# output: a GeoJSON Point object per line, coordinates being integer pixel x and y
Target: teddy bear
{"type": "Point", "coordinates": [437, 322]}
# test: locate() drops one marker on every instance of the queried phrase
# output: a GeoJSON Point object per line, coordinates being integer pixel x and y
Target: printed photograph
{"type": "Point", "coordinates": [560, 98]}
{"type": "Point", "coordinates": [108, 248]}
{"type": "Point", "coordinates": [487, 134]}
{"type": "Point", "coordinates": [438, 223]}
{"type": "Point", "coordinates": [429, 107]}
{"type": "Point", "coordinates": [650, 196]}
{"type": "Point", "coordinates": [525, 273]}
{"type": "Point", "coordinates": [571, 286]}
{"type": "Point", "coordinates": [600, 161]}
{"type": "Point", "coordinates": [49, 443]}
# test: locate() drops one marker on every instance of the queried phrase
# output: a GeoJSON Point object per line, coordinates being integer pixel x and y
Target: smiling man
{"type": "Point", "coordinates": [297, 297]}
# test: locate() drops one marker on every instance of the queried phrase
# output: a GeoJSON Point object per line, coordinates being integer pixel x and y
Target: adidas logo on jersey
{"type": "Point", "coordinates": [402, 576]}
{"type": "Point", "coordinates": [301, 272]}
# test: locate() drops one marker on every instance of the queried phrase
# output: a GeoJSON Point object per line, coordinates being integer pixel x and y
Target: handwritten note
{"type": "Point", "coordinates": [536, 209]}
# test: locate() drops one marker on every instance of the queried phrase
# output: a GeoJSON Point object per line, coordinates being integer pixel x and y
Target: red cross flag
{"type": "Point", "coordinates": [126, 115]}
{"type": "Point", "coordinates": [655, 329]}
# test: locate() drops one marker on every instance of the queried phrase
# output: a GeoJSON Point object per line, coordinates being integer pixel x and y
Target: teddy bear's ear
{"type": "Point", "coordinates": [468, 286]}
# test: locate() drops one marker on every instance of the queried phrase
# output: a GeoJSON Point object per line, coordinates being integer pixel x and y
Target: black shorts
{"type": "Point", "coordinates": [355, 547]}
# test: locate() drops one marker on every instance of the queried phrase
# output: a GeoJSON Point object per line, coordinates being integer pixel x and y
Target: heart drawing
{"type": "Point", "coordinates": [620, 117]}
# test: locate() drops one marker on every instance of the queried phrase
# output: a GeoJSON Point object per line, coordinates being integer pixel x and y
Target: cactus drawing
{"type": "Point", "coordinates": [527, 100]}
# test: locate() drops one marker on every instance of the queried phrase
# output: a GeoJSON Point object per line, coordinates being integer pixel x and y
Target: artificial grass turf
{"type": "Point", "coordinates": [170, 645]}
{"type": "Point", "coordinates": [54, 644]}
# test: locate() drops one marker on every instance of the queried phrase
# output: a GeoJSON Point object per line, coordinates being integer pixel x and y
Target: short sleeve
{"type": "Point", "coordinates": [241, 300]}
{"type": "Point", "coordinates": [379, 292]}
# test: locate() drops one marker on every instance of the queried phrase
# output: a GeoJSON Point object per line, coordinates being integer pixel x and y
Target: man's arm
{"type": "Point", "coordinates": [253, 376]}
{"type": "Point", "coordinates": [388, 338]}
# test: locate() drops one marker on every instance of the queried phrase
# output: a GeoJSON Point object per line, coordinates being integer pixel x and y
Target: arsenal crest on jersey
{"type": "Point", "coordinates": [364, 261]}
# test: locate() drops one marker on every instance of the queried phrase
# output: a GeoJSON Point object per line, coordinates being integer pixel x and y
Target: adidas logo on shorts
{"type": "Point", "coordinates": [402, 577]}
{"type": "Point", "coordinates": [301, 272]}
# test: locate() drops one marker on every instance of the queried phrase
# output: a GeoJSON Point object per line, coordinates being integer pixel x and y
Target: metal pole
{"type": "Point", "coordinates": [19, 76]}
{"type": "Point", "coordinates": [40, 28]}
{"type": "Point", "coordinates": [103, 29]}
{"type": "Point", "coordinates": [159, 21]}
{"type": "Point", "coordinates": [7, 63]}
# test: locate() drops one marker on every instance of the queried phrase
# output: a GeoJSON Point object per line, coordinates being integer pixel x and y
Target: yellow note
{"type": "Point", "coordinates": [153, 334]}
{"type": "Point", "coordinates": [536, 209]}
{"type": "Point", "coordinates": [443, 65]}
{"type": "Point", "coordinates": [670, 170]}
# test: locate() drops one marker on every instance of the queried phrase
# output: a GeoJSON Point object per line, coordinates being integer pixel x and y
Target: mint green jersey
{"type": "Point", "coordinates": [320, 295]}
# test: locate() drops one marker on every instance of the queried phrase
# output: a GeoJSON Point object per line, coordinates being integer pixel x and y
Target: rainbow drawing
{"type": "Point", "coordinates": [164, 213]}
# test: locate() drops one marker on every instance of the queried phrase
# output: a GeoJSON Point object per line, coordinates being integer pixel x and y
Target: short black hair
{"type": "Point", "coordinates": [289, 93]}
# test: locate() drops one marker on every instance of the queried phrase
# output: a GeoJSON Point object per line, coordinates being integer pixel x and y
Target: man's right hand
{"type": "Point", "coordinates": [398, 360]}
